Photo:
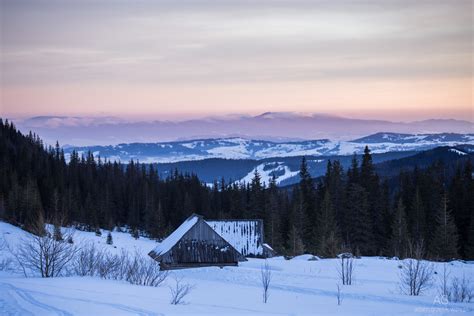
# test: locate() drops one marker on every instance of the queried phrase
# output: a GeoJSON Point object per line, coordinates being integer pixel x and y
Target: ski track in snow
{"type": "Point", "coordinates": [26, 296]}
{"type": "Point", "coordinates": [19, 296]}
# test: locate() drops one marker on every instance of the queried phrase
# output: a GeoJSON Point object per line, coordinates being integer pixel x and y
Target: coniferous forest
{"type": "Point", "coordinates": [346, 210]}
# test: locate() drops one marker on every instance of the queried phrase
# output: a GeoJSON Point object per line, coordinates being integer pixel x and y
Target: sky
{"type": "Point", "coordinates": [396, 60]}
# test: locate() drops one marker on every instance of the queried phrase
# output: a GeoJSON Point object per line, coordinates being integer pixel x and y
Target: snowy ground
{"type": "Point", "coordinates": [298, 287]}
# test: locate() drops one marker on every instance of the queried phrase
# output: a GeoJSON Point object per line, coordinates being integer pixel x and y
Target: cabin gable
{"type": "Point", "coordinates": [246, 236]}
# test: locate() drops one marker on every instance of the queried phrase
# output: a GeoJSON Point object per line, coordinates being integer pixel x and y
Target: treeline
{"type": "Point", "coordinates": [347, 210]}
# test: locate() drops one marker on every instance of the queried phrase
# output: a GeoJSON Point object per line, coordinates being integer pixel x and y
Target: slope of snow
{"type": "Point", "coordinates": [298, 287]}
{"type": "Point", "coordinates": [266, 171]}
{"type": "Point", "coordinates": [456, 151]}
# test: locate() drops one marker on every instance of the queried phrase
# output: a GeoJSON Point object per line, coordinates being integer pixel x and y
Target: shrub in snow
{"type": "Point", "coordinates": [416, 274]}
{"type": "Point", "coordinates": [98, 233]}
{"type": "Point", "coordinates": [179, 290]}
{"type": "Point", "coordinates": [266, 277]}
{"type": "Point", "coordinates": [42, 253]}
{"type": "Point", "coordinates": [135, 269]}
{"type": "Point", "coordinates": [6, 264]}
{"type": "Point", "coordinates": [461, 290]}
{"type": "Point", "coordinates": [144, 271]}
{"type": "Point", "coordinates": [346, 268]}
{"type": "Point", "coordinates": [87, 260]}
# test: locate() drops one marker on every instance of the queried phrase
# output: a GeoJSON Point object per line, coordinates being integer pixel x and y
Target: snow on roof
{"type": "Point", "coordinates": [268, 246]}
{"type": "Point", "coordinates": [244, 235]}
{"type": "Point", "coordinates": [172, 239]}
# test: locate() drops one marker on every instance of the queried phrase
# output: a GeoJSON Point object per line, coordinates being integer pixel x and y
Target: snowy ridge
{"type": "Point", "coordinates": [457, 151]}
{"type": "Point", "coordinates": [240, 148]}
{"type": "Point", "coordinates": [244, 235]}
{"type": "Point", "coordinates": [267, 170]}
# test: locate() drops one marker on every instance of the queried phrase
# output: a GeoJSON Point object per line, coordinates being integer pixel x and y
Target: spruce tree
{"type": "Point", "coordinates": [329, 242]}
{"type": "Point", "coordinates": [444, 244]}
{"type": "Point", "coordinates": [360, 228]}
{"type": "Point", "coordinates": [295, 242]}
{"type": "Point", "coordinates": [469, 252]}
{"type": "Point", "coordinates": [399, 238]}
{"type": "Point", "coordinates": [256, 202]}
{"type": "Point", "coordinates": [307, 207]}
{"type": "Point", "coordinates": [418, 218]}
{"type": "Point", "coordinates": [57, 235]}
{"type": "Point", "coordinates": [272, 218]}
{"type": "Point", "coordinates": [135, 234]}
{"type": "Point", "coordinates": [109, 239]}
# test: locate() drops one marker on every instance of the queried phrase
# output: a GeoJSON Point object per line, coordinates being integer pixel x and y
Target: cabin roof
{"type": "Point", "coordinates": [172, 239]}
{"type": "Point", "coordinates": [244, 235]}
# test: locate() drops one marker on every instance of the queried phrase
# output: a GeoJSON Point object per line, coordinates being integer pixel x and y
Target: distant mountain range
{"type": "Point", "coordinates": [239, 148]}
{"type": "Point", "coordinates": [236, 159]}
{"type": "Point", "coordinates": [270, 126]}
{"type": "Point", "coordinates": [286, 169]}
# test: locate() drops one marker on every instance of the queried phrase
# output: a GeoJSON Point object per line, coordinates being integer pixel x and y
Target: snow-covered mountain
{"type": "Point", "coordinates": [240, 148]}
{"type": "Point", "coordinates": [271, 126]}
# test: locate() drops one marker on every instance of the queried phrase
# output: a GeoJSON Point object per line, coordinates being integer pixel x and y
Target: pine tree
{"type": "Point", "coordinates": [444, 243]}
{"type": "Point", "coordinates": [307, 208]}
{"type": "Point", "coordinates": [360, 230]}
{"type": "Point", "coordinates": [57, 235]}
{"type": "Point", "coordinates": [353, 171]}
{"type": "Point", "coordinates": [329, 242]}
{"type": "Point", "coordinates": [109, 239]}
{"type": "Point", "coordinates": [135, 234]}
{"type": "Point", "coordinates": [418, 218]}
{"type": "Point", "coordinates": [295, 243]}
{"type": "Point", "coordinates": [469, 252]}
{"type": "Point", "coordinates": [272, 219]}
{"type": "Point", "coordinates": [399, 239]}
{"type": "Point", "coordinates": [256, 202]}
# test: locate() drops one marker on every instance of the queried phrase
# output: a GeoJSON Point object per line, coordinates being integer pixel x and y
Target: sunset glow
{"type": "Point", "coordinates": [398, 61]}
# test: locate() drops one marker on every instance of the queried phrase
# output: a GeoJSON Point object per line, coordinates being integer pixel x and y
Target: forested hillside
{"type": "Point", "coordinates": [346, 210]}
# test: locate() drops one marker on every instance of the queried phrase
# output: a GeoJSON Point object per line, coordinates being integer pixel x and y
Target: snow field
{"type": "Point", "coordinates": [298, 287]}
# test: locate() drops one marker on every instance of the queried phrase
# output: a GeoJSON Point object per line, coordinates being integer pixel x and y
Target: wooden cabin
{"type": "Point", "coordinates": [195, 244]}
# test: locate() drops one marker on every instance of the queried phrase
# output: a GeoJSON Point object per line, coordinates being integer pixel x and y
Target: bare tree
{"type": "Point", "coordinates": [41, 253]}
{"type": "Point", "coordinates": [179, 290]}
{"type": "Point", "coordinates": [266, 276]}
{"type": "Point", "coordinates": [339, 294]}
{"type": "Point", "coordinates": [416, 274]}
{"type": "Point", "coordinates": [346, 268]}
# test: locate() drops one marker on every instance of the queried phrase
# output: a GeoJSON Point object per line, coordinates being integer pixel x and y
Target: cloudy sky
{"type": "Point", "coordinates": [399, 60]}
